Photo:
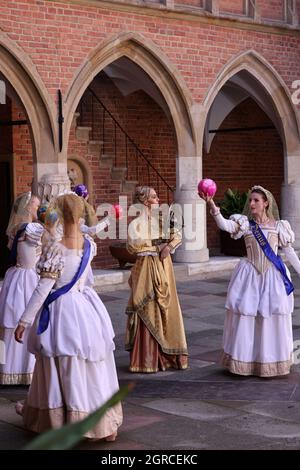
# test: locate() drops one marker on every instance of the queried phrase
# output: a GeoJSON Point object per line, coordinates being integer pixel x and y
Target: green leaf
{"type": "Point", "coordinates": [233, 203]}
{"type": "Point", "coordinates": [70, 434]}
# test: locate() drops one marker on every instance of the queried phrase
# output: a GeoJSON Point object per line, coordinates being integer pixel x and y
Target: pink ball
{"type": "Point", "coordinates": [118, 211]}
{"type": "Point", "coordinates": [207, 186]}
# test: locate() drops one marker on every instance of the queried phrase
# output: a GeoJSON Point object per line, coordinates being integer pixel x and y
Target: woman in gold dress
{"type": "Point", "coordinates": [155, 333]}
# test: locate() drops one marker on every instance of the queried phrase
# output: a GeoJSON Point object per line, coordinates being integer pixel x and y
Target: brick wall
{"type": "Point", "coordinates": [52, 35]}
{"type": "Point", "coordinates": [22, 149]}
{"type": "Point", "coordinates": [273, 10]}
{"type": "Point", "coordinates": [241, 159]}
{"type": "Point", "coordinates": [232, 6]}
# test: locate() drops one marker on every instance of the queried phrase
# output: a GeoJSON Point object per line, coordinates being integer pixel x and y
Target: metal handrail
{"type": "Point", "coordinates": [138, 152]}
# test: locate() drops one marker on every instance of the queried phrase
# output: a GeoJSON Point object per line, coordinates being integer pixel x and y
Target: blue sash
{"type": "Point", "coordinates": [14, 247]}
{"type": "Point", "coordinates": [269, 253]}
{"type": "Point", "coordinates": [45, 313]}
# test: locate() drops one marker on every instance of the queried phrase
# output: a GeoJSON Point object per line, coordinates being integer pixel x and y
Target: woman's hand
{"type": "Point", "coordinates": [164, 252]}
{"type": "Point", "coordinates": [205, 197]}
{"type": "Point", "coordinates": [210, 201]}
{"type": "Point", "coordinates": [19, 331]}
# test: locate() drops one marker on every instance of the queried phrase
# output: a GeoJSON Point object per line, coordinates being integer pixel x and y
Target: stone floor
{"type": "Point", "coordinates": [203, 407]}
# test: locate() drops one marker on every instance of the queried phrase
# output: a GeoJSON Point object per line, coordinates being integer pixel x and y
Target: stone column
{"type": "Point", "coordinates": [194, 245]}
{"type": "Point", "coordinates": [290, 207]}
{"type": "Point", "coordinates": [50, 179]}
{"type": "Point", "coordinates": [290, 190]}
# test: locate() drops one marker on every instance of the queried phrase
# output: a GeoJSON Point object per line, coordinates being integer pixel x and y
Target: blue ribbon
{"type": "Point", "coordinates": [45, 313]}
{"type": "Point", "coordinates": [269, 253]}
{"type": "Point", "coordinates": [14, 247]}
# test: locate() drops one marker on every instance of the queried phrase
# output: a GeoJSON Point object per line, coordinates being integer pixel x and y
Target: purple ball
{"type": "Point", "coordinates": [81, 190]}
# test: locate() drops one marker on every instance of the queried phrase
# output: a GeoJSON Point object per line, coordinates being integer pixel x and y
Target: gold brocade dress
{"type": "Point", "coordinates": [155, 333]}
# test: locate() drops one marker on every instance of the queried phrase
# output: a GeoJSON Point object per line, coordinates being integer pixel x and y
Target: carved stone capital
{"type": "Point", "coordinates": [50, 186]}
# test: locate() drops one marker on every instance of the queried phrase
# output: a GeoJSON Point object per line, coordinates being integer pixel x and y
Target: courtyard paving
{"type": "Point", "coordinates": [203, 407]}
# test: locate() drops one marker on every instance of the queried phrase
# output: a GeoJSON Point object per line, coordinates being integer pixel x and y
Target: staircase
{"type": "Point", "coordinates": [118, 174]}
{"type": "Point", "coordinates": [116, 150]}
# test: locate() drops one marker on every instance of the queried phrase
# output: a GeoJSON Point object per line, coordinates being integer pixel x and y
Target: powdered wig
{"type": "Point", "coordinates": [142, 193]}
{"type": "Point", "coordinates": [70, 208]}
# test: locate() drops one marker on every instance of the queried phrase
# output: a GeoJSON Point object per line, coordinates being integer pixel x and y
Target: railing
{"type": "Point", "coordinates": [117, 143]}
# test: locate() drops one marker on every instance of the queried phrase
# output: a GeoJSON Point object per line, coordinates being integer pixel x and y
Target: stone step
{"type": "Point", "coordinates": [106, 161]}
{"type": "Point", "coordinates": [117, 279]}
{"type": "Point", "coordinates": [83, 133]}
{"type": "Point", "coordinates": [129, 186]}
{"type": "Point", "coordinates": [118, 173]}
{"type": "Point", "coordinates": [95, 146]}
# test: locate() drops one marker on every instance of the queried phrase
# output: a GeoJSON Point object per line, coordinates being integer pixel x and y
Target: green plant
{"type": "Point", "coordinates": [233, 203]}
{"type": "Point", "coordinates": [70, 434]}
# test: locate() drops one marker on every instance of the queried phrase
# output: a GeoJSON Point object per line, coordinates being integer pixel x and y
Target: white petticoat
{"type": "Point", "coordinates": [81, 327]}
{"type": "Point", "coordinates": [17, 288]}
{"type": "Point", "coordinates": [252, 293]}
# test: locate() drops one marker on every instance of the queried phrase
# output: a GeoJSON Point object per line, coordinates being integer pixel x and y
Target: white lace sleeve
{"type": "Point", "coordinates": [96, 229]}
{"type": "Point", "coordinates": [33, 233]}
{"type": "Point", "coordinates": [237, 225]}
{"type": "Point", "coordinates": [292, 257]}
{"type": "Point", "coordinates": [285, 233]}
{"type": "Point", "coordinates": [36, 301]}
{"type": "Point", "coordinates": [243, 225]}
{"type": "Point", "coordinates": [51, 262]}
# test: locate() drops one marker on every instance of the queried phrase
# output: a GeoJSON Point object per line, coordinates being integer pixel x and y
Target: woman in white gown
{"type": "Point", "coordinates": [72, 337]}
{"type": "Point", "coordinates": [258, 338]}
{"type": "Point", "coordinates": [19, 283]}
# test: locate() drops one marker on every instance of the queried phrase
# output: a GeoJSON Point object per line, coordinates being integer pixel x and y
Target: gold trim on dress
{"type": "Point", "coordinates": [49, 275]}
{"type": "Point", "coordinates": [15, 379]}
{"type": "Point", "coordinates": [260, 369]}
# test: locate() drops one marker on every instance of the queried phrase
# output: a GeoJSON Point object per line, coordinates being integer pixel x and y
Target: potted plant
{"type": "Point", "coordinates": [233, 203]}
{"type": "Point", "coordinates": [120, 252]}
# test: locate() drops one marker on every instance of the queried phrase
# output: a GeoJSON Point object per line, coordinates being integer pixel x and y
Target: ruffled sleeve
{"type": "Point", "coordinates": [51, 262]}
{"type": "Point", "coordinates": [33, 233]}
{"type": "Point", "coordinates": [242, 225]}
{"type": "Point", "coordinates": [285, 233]}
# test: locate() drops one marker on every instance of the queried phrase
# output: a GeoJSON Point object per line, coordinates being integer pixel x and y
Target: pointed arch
{"type": "Point", "coordinates": [19, 70]}
{"type": "Point", "coordinates": [156, 64]}
{"type": "Point", "coordinates": [272, 83]}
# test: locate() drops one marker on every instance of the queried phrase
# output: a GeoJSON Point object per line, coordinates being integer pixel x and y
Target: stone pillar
{"type": "Point", "coordinates": [194, 245]}
{"type": "Point", "coordinates": [290, 204]}
{"type": "Point", "coordinates": [50, 179]}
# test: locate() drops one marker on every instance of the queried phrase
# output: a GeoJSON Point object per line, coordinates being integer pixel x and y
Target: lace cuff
{"type": "Point", "coordinates": [23, 323]}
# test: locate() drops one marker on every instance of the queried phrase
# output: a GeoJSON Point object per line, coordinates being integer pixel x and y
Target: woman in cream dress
{"type": "Point", "coordinates": [258, 338]}
{"type": "Point", "coordinates": [155, 333]}
{"type": "Point", "coordinates": [72, 337]}
{"type": "Point", "coordinates": [19, 283]}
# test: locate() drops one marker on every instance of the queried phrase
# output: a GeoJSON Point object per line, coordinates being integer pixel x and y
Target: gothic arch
{"type": "Point", "coordinates": [154, 62]}
{"type": "Point", "coordinates": [275, 87]}
{"type": "Point", "coordinates": [19, 70]}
